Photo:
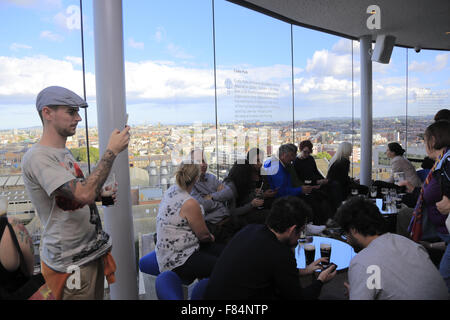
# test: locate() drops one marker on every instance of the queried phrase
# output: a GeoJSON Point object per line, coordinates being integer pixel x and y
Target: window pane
{"type": "Point", "coordinates": [253, 82]}
{"type": "Point", "coordinates": [428, 82]}
{"type": "Point", "coordinates": [323, 93]}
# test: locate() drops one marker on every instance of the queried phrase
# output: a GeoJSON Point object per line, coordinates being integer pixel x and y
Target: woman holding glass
{"type": "Point", "coordinates": [251, 191]}
{"type": "Point", "coordinates": [400, 165]}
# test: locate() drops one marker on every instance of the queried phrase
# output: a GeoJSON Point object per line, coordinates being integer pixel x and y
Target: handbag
{"type": "Point", "coordinates": [28, 287]}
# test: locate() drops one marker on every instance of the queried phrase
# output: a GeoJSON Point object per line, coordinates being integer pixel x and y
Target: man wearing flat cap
{"type": "Point", "coordinates": [73, 239]}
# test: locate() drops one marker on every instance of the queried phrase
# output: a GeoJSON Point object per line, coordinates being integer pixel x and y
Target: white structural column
{"type": "Point", "coordinates": [111, 112]}
{"type": "Point", "coordinates": [366, 110]}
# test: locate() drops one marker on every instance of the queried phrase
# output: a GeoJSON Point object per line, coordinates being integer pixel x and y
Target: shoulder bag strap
{"type": "Point", "coordinates": [23, 264]}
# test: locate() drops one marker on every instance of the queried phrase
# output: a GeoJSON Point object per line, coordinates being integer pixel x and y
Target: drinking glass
{"type": "Point", "coordinates": [310, 253]}
{"type": "Point", "coordinates": [325, 252]}
{"type": "Point", "coordinates": [108, 190]}
{"type": "Point", "coordinates": [373, 192]}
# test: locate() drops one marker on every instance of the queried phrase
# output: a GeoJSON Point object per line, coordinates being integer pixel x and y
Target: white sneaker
{"type": "Point", "coordinates": [313, 229]}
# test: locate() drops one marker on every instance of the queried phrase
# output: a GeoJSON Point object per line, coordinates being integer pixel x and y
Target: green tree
{"type": "Point", "coordinates": [323, 155]}
{"type": "Point", "coordinates": [80, 154]}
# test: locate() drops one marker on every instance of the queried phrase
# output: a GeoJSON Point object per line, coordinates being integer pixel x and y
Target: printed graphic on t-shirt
{"type": "Point", "coordinates": [67, 204]}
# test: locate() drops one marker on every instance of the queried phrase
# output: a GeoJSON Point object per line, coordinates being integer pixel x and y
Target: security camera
{"type": "Point", "coordinates": [417, 49]}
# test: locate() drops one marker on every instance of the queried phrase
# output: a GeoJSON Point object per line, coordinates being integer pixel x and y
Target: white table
{"type": "Point", "coordinates": [341, 252]}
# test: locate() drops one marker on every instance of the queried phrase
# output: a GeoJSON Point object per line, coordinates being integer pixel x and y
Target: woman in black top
{"type": "Point", "coordinates": [305, 165]}
{"type": "Point", "coordinates": [339, 168]}
{"type": "Point", "coordinates": [245, 180]}
{"type": "Point", "coordinates": [14, 271]}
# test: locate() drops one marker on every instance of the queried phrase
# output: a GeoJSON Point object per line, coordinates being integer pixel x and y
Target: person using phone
{"type": "Point", "coordinates": [259, 263]}
{"type": "Point", "coordinates": [387, 266]}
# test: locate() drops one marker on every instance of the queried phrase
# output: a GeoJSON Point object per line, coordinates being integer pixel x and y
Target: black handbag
{"type": "Point", "coordinates": [20, 285]}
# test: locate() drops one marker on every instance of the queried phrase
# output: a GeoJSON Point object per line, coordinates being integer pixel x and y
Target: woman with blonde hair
{"type": "Point", "coordinates": [184, 244]}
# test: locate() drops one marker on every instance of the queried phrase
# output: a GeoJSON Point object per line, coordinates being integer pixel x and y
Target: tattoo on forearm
{"type": "Point", "coordinates": [22, 234]}
{"type": "Point", "coordinates": [95, 180]}
{"type": "Point", "coordinates": [101, 172]}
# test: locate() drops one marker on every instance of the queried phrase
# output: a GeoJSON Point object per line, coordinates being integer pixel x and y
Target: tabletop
{"type": "Point", "coordinates": [341, 252]}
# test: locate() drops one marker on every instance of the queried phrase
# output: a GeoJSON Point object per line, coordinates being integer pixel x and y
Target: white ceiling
{"type": "Point", "coordinates": [414, 23]}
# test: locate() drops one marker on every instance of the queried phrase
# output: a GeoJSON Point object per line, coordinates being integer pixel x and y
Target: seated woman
{"type": "Point", "coordinates": [14, 270]}
{"type": "Point", "coordinates": [184, 243]}
{"type": "Point", "coordinates": [339, 168]}
{"type": "Point", "coordinates": [400, 164]}
{"type": "Point", "coordinates": [305, 165]}
{"type": "Point", "coordinates": [245, 180]}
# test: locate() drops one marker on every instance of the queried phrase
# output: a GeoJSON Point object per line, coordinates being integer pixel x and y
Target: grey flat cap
{"type": "Point", "coordinates": [59, 96]}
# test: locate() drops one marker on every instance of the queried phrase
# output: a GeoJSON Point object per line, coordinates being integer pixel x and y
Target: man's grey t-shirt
{"type": "Point", "coordinates": [404, 268]}
{"type": "Point", "coordinates": [72, 234]}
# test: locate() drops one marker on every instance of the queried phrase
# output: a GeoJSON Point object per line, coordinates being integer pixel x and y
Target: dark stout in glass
{"type": "Point", "coordinates": [325, 252]}
{"type": "Point", "coordinates": [310, 253]}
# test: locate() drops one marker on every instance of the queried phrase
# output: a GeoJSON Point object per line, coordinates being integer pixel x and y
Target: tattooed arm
{"type": "Point", "coordinates": [86, 191]}
{"type": "Point", "coordinates": [9, 256]}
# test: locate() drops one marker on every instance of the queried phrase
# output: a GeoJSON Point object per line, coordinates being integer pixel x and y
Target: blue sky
{"type": "Point", "coordinates": [169, 63]}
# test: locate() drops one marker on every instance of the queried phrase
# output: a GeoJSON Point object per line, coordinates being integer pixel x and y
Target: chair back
{"type": "Point", "coordinates": [199, 289]}
{"type": "Point", "coordinates": [148, 264]}
{"type": "Point", "coordinates": [168, 286]}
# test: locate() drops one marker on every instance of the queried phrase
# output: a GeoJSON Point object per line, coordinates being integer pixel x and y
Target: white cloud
{"type": "Point", "coordinates": [343, 46]}
{"type": "Point", "coordinates": [134, 44]}
{"type": "Point", "coordinates": [17, 46]}
{"type": "Point", "coordinates": [326, 63]}
{"type": "Point", "coordinates": [150, 80]}
{"type": "Point", "coordinates": [440, 62]}
{"type": "Point", "coordinates": [321, 87]}
{"type": "Point", "coordinates": [178, 52]}
{"type": "Point", "coordinates": [75, 60]}
{"type": "Point", "coordinates": [21, 79]}
{"type": "Point", "coordinates": [51, 36]}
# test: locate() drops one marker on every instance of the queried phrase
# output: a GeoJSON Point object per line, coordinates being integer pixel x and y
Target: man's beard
{"type": "Point", "coordinates": [357, 247]}
{"type": "Point", "coordinates": [66, 132]}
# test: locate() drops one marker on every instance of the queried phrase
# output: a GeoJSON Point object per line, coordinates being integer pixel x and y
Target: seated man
{"type": "Point", "coordinates": [276, 169]}
{"type": "Point", "coordinates": [212, 195]}
{"type": "Point", "coordinates": [280, 174]}
{"type": "Point", "coordinates": [259, 263]}
{"type": "Point", "coordinates": [387, 266]}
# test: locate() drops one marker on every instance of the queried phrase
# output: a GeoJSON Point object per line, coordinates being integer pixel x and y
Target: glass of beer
{"type": "Point", "coordinates": [310, 253]}
{"type": "Point", "coordinates": [373, 192]}
{"type": "Point", "coordinates": [3, 205]}
{"type": "Point", "coordinates": [325, 252]}
{"type": "Point", "coordinates": [108, 190]}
